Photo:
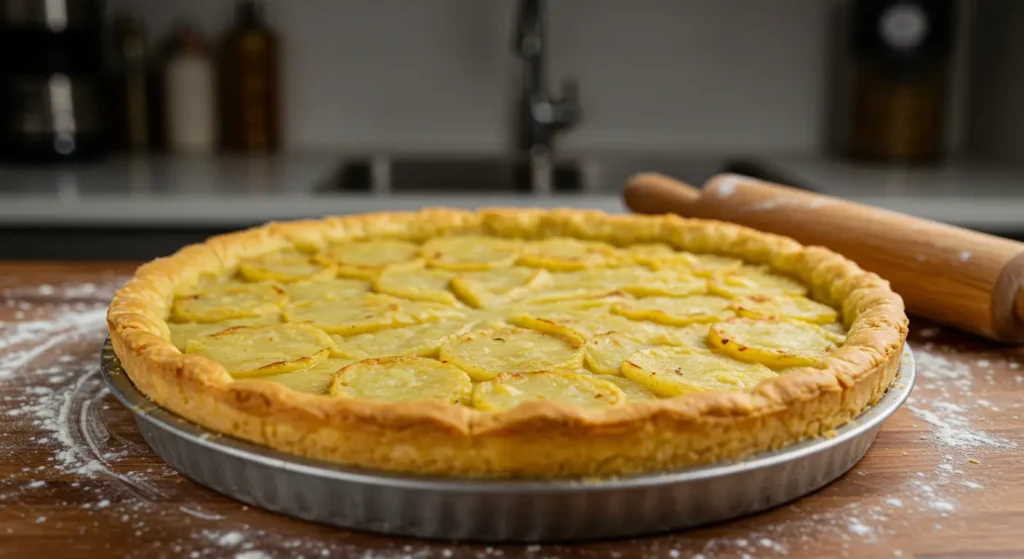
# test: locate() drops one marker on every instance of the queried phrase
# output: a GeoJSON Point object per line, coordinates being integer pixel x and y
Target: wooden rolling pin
{"type": "Point", "coordinates": [951, 275]}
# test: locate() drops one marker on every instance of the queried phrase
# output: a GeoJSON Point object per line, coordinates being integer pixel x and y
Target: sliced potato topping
{"type": "Point", "coordinates": [509, 390]}
{"type": "Point", "coordinates": [285, 267]}
{"type": "Point", "coordinates": [650, 253]}
{"type": "Point", "coordinates": [632, 389]}
{"type": "Point", "coordinates": [785, 306]}
{"type": "Point", "coordinates": [708, 264]}
{"type": "Point", "coordinates": [485, 354]}
{"type": "Point", "coordinates": [596, 301]}
{"type": "Point", "coordinates": [490, 288]}
{"type": "Point", "coordinates": [668, 283]}
{"type": "Point", "coordinates": [365, 313]}
{"type": "Point", "coordinates": [402, 379]}
{"type": "Point", "coordinates": [182, 332]}
{"type": "Point", "coordinates": [703, 265]}
{"type": "Point", "coordinates": [606, 279]}
{"type": "Point", "coordinates": [635, 280]}
{"type": "Point", "coordinates": [250, 351]}
{"type": "Point", "coordinates": [549, 327]}
{"type": "Point", "coordinates": [678, 311]}
{"type": "Point", "coordinates": [754, 280]}
{"type": "Point", "coordinates": [774, 342]}
{"type": "Point", "coordinates": [837, 331]}
{"type": "Point", "coordinates": [421, 340]}
{"type": "Point", "coordinates": [411, 312]}
{"type": "Point", "coordinates": [692, 335]}
{"type": "Point", "coordinates": [418, 284]}
{"type": "Point", "coordinates": [314, 380]}
{"type": "Point", "coordinates": [606, 352]}
{"type": "Point", "coordinates": [584, 323]}
{"type": "Point", "coordinates": [204, 281]}
{"type": "Point", "coordinates": [471, 252]}
{"type": "Point", "coordinates": [592, 297]}
{"type": "Point", "coordinates": [229, 301]}
{"type": "Point", "coordinates": [364, 259]}
{"type": "Point", "coordinates": [326, 290]}
{"type": "Point", "coordinates": [671, 371]}
{"type": "Point", "coordinates": [561, 319]}
{"type": "Point", "coordinates": [563, 253]}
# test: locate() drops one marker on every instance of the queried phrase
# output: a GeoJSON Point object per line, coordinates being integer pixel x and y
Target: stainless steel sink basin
{"type": "Point", "coordinates": [483, 175]}
{"type": "Point", "coordinates": [452, 174]}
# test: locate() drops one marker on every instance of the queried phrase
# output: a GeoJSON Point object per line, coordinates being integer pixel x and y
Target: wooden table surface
{"type": "Point", "coordinates": [944, 478]}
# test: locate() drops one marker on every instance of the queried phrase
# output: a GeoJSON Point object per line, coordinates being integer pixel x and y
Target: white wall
{"type": "Point", "coordinates": [660, 75]}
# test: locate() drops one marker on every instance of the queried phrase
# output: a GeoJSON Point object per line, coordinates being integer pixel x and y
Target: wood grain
{"type": "Point", "coordinates": [952, 275]}
{"type": "Point", "coordinates": [132, 505]}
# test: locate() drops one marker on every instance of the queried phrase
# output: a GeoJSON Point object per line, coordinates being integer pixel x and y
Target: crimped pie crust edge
{"type": "Point", "coordinates": [537, 439]}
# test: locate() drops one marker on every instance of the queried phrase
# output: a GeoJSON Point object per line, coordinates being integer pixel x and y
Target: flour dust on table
{"type": "Point", "coordinates": [56, 406]}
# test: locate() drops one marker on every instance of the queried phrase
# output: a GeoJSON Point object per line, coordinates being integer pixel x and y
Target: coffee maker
{"type": "Point", "coordinates": [51, 80]}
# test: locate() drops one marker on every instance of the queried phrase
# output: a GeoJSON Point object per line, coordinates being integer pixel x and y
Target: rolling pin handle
{"type": "Point", "coordinates": [654, 193]}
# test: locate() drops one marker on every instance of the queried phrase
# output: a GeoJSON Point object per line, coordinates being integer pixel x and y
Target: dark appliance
{"type": "Point", "coordinates": [51, 80]}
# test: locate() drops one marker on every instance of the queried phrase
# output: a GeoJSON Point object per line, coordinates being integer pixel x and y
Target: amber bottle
{"type": "Point", "coordinates": [250, 87]}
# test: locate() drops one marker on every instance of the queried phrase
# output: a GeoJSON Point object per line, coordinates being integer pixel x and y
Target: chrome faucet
{"type": "Point", "coordinates": [539, 115]}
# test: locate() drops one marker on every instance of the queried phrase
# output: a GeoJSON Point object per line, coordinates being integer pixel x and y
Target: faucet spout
{"type": "Point", "coordinates": [529, 45]}
{"type": "Point", "coordinates": [540, 114]}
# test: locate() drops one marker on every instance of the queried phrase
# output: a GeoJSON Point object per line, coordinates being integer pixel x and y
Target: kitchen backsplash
{"type": "Point", "coordinates": [439, 75]}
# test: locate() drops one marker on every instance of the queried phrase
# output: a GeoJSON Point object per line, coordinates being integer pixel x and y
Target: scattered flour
{"type": "Point", "coordinates": [951, 422]}
{"type": "Point", "coordinates": [230, 539]}
{"type": "Point", "coordinates": [199, 514]}
{"type": "Point", "coordinates": [944, 506]}
{"type": "Point", "coordinates": [252, 554]}
{"type": "Point", "coordinates": [859, 528]}
{"type": "Point", "coordinates": [727, 186]}
{"type": "Point", "coordinates": [24, 342]}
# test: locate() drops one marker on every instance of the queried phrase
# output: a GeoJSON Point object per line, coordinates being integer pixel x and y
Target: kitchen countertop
{"type": "Point", "coordinates": [984, 195]}
{"type": "Point", "coordinates": [239, 191]}
{"type": "Point", "coordinates": [220, 191]}
{"type": "Point", "coordinates": [942, 480]}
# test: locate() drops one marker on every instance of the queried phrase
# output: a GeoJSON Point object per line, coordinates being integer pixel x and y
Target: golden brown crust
{"type": "Point", "coordinates": [537, 439]}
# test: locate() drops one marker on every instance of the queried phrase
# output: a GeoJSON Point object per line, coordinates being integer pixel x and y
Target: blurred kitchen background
{"type": "Point", "coordinates": [131, 127]}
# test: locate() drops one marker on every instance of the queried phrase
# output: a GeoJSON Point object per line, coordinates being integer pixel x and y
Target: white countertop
{"type": "Point", "coordinates": [228, 192]}
{"type": "Point", "coordinates": [199, 210]}
{"type": "Point", "coordinates": [980, 195]}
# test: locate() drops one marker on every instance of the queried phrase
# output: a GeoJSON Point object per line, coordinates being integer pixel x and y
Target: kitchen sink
{"type": "Point", "coordinates": [453, 174]}
{"type": "Point", "coordinates": [497, 175]}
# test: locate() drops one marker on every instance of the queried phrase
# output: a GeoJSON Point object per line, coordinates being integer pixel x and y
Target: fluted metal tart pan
{"type": "Point", "coordinates": [501, 510]}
